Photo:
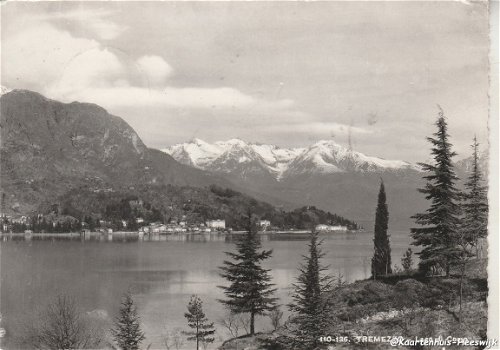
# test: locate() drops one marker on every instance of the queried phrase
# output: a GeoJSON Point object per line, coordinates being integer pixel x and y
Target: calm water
{"type": "Point", "coordinates": [162, 275]}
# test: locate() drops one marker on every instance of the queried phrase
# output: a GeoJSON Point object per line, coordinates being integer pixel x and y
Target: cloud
{"type": "Point", "coordinates": [170, 97]}
{"type": "Point", "coordinates": [49, 59]}
{"type": "Point", "coordinates": [95, 67]}
{"type": "Point", "coordinates": [325, 128]}
{"type": "Point", "coordinates": [155, 68]}
{"type": "Point", "coordinates": [95, 20]}
{"type": "Point", "coordinates": [38, 55]}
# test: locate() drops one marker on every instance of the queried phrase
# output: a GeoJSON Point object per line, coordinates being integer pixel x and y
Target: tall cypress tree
{"type": "Point", "coordinates": [310, 299]}
{"type": "Point", "coordinates": [127, 332]}
{"type": "Point", "coordinates": [437, 236]}
{"type": "Point", "coordinates": [381, 261]}
{"type": "Point", "coordinates": [202, 330]}
{"type": "Point", "coordinates": [475, 203]}
{"type": "Point", "coordinates": [250, 290]}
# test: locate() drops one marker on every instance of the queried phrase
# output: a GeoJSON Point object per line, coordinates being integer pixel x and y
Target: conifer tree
{"type": "Point", "coordinates": [475, 203]}
{"type": "Point", "coordinates": [381, 261]}
{"type": "Point", "coordinates": [311, 300]}
{"type": "Point", "coordinates": [407, 260]}
{"type": "Point", "coordinates": [127, 332]}
{"type": "Point", "coordinates": [202, 330]}
{"type": "Point", "coordinates": [437, 236]}
{"type": "Point", "coordinates": [250, 290]}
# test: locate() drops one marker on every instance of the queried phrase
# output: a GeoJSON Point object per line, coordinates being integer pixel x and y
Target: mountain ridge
{"type": "Point", "coordinates": [324, 156]}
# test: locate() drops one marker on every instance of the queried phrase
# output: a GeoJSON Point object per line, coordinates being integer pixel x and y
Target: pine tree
{"type": "Point", "coordinates": [250, 290]}
{"type": "Point", "coordinates": [475, 203]}
{"type": "Point", "coordinates": [474, 223]}
{"type": "Point", "coordinates": [407, 260]}
{"type": "Point", "coordinates": [202, 329]}
{"type": "Point", "coordinates": [311, 298]}
{"type": "Point", "coordinates": [440, 221]}
{"type": "Point", "coordinates": [127, 332]}
{"type": "Point", "coordinates": [381, 261]}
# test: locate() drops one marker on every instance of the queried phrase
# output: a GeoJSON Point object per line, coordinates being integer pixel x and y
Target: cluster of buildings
{"type": "Point", "coordinates": [330, 228]}
{"type": "Point", "coordinates": [182, 226]}
{"type": "Point", "coordinates": [176, 225]}
{"type": "Point", "coordinates": [217, 225]}
{"type": "Point", "coordinates": [8, 221]}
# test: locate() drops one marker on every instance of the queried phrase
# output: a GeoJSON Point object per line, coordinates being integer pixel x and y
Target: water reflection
{"type": "Point", "coordinates": [126, 237]}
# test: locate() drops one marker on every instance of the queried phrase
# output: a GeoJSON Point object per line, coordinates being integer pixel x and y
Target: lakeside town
{"type": "Point", "coordinates": [27, 225]}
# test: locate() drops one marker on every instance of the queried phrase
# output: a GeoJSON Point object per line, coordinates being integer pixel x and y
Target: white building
{"type": "Point", "coordinates": [157, 228]}
{"type": "Point", "coordinates": [321, 227]}
{"type": "Point", "coordinates": [264, 224]}
{"type": "Point", "coordinates": [216, 224]}
{"type": "Point", "coordinates": [331, 228]}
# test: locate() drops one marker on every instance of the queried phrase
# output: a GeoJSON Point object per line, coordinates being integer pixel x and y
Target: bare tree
{"type": "Point", "coordinates": [230, 322]}
{"type": "Point", "coordinates": [173, 339]}
{"type": "Point", "coordinates": [234, 323]}
{"type": "Point", "coordinates": [339, 281]}
{"type": "Point", "coordinates": [245, 322]}
{"type": "Point", "coordinates": [275, 316]}
{"type": "Point", "coordinates": [62, 326]}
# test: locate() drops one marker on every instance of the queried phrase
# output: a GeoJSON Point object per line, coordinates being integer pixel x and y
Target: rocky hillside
{"type": "Point", "coordinates": [48, 147]}
{"type": "Point", "coordinates": [401, 305]}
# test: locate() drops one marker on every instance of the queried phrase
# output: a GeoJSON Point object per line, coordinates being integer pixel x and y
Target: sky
{"type": "Point", "coordinates": [368, 75]}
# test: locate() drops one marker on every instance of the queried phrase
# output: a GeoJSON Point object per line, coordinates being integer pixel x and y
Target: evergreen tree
{"type": "Point", "coordinates": [311, 300]}
{"type": "Point", "coordinates": [407, 260]}
{"type": "Point", "coordinates": [250, 290]}
{"type": "Point", "coordinates": [475, 203]}
{"type": "Point", "coordinates": [34, 223]}
{"type": "Point", "coordinates": [202, 330]}
{"type": "Point", "coordinates": [437, 237]}
{"type": "Point", "coordinates": [44, 226]}
{"type": "Point", "coordinates": [381, 261]}
{"type": "Point", "coordinates": [127, 332]}
{"type": "Point", "coordinates": [91, 223]}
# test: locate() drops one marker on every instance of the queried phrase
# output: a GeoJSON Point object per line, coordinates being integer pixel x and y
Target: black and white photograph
{"type": "Point", "coordinates": [249, 175]}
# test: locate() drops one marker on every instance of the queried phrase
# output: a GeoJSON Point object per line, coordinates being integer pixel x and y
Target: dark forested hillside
{"type": "Point", "coordinates": [166, 203]}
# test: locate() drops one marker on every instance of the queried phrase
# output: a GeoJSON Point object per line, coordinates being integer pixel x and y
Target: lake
{"type": "Point", "coordinates": [162, 274]}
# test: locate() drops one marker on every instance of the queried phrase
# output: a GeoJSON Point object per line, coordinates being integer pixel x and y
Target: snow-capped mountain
{"type": "Point", "coordinates": [238, 157]}
{"type": "Point", "coordinates": [330, 157]}
{"type": "Point", "coordinates": [234, 156]}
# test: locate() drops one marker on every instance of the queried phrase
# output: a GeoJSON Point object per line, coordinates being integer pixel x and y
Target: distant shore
{"type": "Point", "coordinates": [136, 233]}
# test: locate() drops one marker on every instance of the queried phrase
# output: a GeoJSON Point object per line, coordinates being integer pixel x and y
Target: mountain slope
{"type": "Point", "coordinates": [48, 147]}
{"type": "Point", "coordinates": [324, 174]}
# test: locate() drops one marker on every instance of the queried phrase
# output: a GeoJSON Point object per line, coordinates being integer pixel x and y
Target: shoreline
{"type": "Point", "coordinates": [135, 233]}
